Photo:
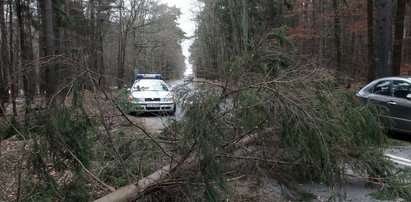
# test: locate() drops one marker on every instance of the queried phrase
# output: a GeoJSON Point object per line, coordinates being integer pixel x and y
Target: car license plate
{"type": "Point", "coordinates": [153, 105]}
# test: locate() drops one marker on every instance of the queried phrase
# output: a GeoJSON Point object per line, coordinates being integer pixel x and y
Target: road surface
{"type": "Point", "coordinates": [355, 189]}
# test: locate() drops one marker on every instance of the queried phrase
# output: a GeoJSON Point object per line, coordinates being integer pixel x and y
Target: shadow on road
{"type": "Point", "coordinates": [400, 136]}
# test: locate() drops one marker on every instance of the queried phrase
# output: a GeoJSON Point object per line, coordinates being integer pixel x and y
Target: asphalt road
{"type": "Point", "coordinates": [400, 154]}
{"type": "Point", "coordinates": [356, 190]}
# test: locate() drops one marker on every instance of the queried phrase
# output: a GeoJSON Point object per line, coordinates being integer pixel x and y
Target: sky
{"type": "Point", "coordinates": [187, 25]}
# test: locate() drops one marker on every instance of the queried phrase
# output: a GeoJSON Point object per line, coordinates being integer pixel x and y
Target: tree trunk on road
{"type": "Point", "coordinates": [131, 192]}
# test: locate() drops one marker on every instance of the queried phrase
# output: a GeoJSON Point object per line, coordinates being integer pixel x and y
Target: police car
{"type": "Point", "coordinates": [150, 93]}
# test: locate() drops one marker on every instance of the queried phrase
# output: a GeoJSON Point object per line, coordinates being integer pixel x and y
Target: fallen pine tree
{"type": "Point", "coordinates": [323, 130]}
{"type": "Point", "coordinates": [132, 191]}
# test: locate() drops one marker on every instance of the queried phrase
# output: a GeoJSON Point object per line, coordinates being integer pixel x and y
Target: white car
{"type": "Point", "coordinates": [151, 94]}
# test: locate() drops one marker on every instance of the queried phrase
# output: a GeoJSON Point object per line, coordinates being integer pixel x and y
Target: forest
{"type": "Point", "coordinates": [272, 104]}
{"type": "Point", "coordinates": [48, 44]}
{"type": "Point", "coordinates": [364, 39]}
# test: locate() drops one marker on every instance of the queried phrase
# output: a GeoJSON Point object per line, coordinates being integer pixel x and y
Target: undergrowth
{"type": "Point", "coordinates": [59, 148]}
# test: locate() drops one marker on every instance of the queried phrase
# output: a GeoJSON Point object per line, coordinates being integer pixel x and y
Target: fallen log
{"type": "Point", "coordinates": [132, 191]}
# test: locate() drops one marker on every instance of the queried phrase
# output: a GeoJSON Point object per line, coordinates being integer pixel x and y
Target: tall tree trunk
{"type": "Point", "coordinates": [398, 37]}
{"type": "Point", "coordinates": [245, 23]}
{"type": "Point", "coordinates": [4, 63]}
{"type": "Point", "coordinates": [232, 8]}
{"type": "Point", "coordinates": [31, 72]}
{"type": "Point", "coordinates": [384, 38]}
{"type": "Point", "coordinates": [270, 14]}
{"type": "Point", "coordinates": [337, 35]}
{"type": "Point", "coordinates": [322, 41]}
{"type": "Point", "coordinates": [42, 49]}
{"type": "Point", "coordinates": [100, 41]}
{"type": "Point", "coordinates": [407, 47]}
{"type": "Point", "coordinates": [49, 42]}
{"type": "Point", "coordinates": [25, 52]}
{"type": "Point", "coordinates": [93, 61]}
{"type": "Point", "coordinates": [61, 49]}
{"type": "Point", "coordinates": [371, 46]}
{"type": "Point", "coordinates": [121, 51]}
{"type": "Point", "coordinates": [12, 63]}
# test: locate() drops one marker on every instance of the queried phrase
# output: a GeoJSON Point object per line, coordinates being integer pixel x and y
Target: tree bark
{"type": "Point", "coordinates": [245, 23]}
{"type": "Point", "coordinates": [407, 49]}
{"type": "Point", "coordinates": [384, 38]}
{"type": "Point", "coordinates": [26, 53]}
{"type": "Point", "coordinates": [42, 49]}
{"type": "Point", "coordinates": [371, 46]}
{"type": "Point", "coordinates": [94, 37]}
{"type": "Point", "coordinates": [232, 9]}
{"type": "Point", "coordinates": [121, 49]}
{"type": "Point", "coordinates": [4, 63]}
{"type": "Point", "coordinates": [50, 72]}
{"type": "Point", "coordinates": [398, 37]}
{"type": "Point", "coordinates": [337, 35]}
{"type": "Point", "coordinates": [12, 63]}
{"type": "Point", "coordinates": [100, 40]}
{"type": "Point", "coordinates": [270, 14]}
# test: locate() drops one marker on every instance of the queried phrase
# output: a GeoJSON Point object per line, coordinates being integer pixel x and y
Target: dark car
{"type": "Point", "coordinates": [394, 93]}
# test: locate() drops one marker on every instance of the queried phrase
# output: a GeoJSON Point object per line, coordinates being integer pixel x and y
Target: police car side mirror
{"type": "Point", "coordinates": [128, 89]}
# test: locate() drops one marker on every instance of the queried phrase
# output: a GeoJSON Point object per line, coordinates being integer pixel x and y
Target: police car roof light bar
{"type": "Point", "coordinates": [148, 76]}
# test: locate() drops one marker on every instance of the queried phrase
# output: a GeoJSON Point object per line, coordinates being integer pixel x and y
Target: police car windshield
{"type": "Point", "coordinates": [150, 85]}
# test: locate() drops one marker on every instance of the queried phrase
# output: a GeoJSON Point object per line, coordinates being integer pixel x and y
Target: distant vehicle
{"type": "Point", "coordinates": [394, 93]}
{"type": "Point", "coordinates": [189, 78]}
{"type": "Point", "coordinates": [150, 93]}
